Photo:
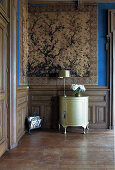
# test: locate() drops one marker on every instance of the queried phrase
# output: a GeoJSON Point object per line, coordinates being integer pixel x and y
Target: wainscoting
{"type": "Point", "coordinates": [22, 110]}
{"type": "Point", "coordinates": [98, 107]}
{"type": "Point", "coordinates": [44, 101]}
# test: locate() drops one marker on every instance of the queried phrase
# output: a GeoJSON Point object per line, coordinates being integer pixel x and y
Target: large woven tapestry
{"type": "Point", "coordinates": [60, 37]}
{"type": "Point", "coordinates": [23, 40]}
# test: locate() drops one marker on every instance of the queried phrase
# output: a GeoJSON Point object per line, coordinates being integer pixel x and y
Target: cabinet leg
{"type": "Point", "coordinates": [84, 130]}
{"type": "Point", "coordinates": [87, 127]}
{"type": "Point", "coordinates": [65, 131]}
{"type": "Point", "coordinates": [59, 127]}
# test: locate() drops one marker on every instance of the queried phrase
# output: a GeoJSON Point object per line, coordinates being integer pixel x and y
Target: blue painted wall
{"type": "Point", "coordinates": [102, 32]}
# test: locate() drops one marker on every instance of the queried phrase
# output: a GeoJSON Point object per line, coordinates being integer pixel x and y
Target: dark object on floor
{"type": "Point", "coordinates": [32, 122]}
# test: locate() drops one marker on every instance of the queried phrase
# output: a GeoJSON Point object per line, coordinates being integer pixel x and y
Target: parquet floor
{"type": "Point", "coordinates": [51, 150]}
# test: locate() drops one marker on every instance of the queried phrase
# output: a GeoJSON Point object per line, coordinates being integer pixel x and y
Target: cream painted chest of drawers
{"type": "Point", "coordinates": [73, 111]}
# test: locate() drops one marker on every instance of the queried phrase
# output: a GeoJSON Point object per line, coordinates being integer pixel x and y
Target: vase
{"type": "Point", "coordinates": [78, 94]}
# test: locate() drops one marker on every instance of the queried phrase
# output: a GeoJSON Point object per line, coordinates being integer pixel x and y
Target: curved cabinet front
{"type": "Point", "coordinates": [73, 111]}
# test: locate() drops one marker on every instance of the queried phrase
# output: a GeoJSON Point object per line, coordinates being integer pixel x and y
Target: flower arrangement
{"type": "Point", "coordinates": [78, 88]}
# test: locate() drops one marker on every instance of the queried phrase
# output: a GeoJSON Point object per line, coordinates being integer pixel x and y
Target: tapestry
{"type": "Point", "coordinates": [23, 20]}
{"type": "Point", "coordinates": [59, 37]}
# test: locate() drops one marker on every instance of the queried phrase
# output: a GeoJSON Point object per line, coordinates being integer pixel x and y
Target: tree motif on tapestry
{"type": "Point", "coordinates": [59, 40]}
{"type": "Point", "coordinates": [62, 38]}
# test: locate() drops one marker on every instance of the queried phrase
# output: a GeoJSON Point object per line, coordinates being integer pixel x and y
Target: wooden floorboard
{"type": "Point", "coordinates": [51, 150]}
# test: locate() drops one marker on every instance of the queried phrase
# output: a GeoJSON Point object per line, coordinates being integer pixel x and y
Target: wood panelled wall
{"type": "Point", "coordinates": [4, 21]}
{"type": "Point", "coordinates": [98, 107]}
{"type": "Point", "coordinates": [44, 101]}
{"type": "Point", "coordinates": [22, 110]}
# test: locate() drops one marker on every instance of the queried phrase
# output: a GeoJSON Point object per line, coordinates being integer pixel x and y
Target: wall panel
{"type": "Point", "coordinates": [98, 107]}
{"type": "Point", "coordinates": [22, 110]}
{"type": "Point", "coordinates": [44, 101]}
{"type": "Point", "coordinates": [3, 78]}
{"type": "Point", "coordinates": [42, 106]}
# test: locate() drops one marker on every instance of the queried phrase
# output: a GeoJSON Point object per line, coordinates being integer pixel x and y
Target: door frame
{"type": "Point", "coordinates": [111, 64]}
{"type": "Point", "coordinates": [13, 71]}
